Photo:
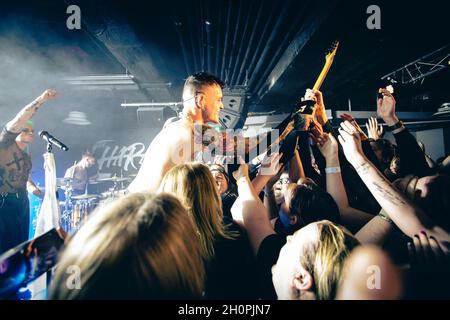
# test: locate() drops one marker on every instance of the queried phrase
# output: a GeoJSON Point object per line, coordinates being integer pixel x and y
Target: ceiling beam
{"type": "Point", "coordinates": [316, 16]}
{"type": "Point", "coordinates": [121, 41]}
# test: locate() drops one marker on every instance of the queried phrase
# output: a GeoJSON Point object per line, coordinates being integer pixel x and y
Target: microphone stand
{"type": "Point", "coordinates": [48, 218]}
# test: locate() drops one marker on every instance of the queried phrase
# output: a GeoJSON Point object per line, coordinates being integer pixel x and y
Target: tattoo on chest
{"type": "Point", "coordinates": [15, 172]}
{"type": "Point", "coordinates": [16, 162]}
{"type": "Point", "coordinates": [4, 181]}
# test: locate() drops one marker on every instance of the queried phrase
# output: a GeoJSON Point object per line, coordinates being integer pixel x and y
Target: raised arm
{"type": "Point", "coordinates": [296, 167]}
{"type": "Point", "coordinates": [408, 148]}
{"type": "Point", "coordinates": [16, 124]}
{"type": "Point", "coordinates": [267, 171]}
{"type": "Point", "coordinates": [408, 218]}
{"type": "Point", "coordinates": [254, 214]}
{"type": "Point", "coordinates": [353, 218]}
{"type": "Point", "coordinates": [319, 107]}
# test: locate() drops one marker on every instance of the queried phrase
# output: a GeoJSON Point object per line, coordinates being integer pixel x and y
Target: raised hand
{"type": "Point", "coordinates": [429, 265]}
{"type": "Point", "coordinates": [349, 118]}
{"type": "Point", "coordinates": [327, 145]}
{"type": "Point", "coordinates": [374, 130]}
{"type": "Point", "coordinates": [47, 95]}
{"type": "Point", "coordinates": [271, 165]}
{"type": "Point", "coordinates": [386, 107]}
{"type": "Point", "coordinates": [350, 140]}
{"type": "Point", "coordinates": [426, 252]}
{"type": "Point", "coordinates": [241, 172]}
{"type": "Point", "coordinates": [319, 110]}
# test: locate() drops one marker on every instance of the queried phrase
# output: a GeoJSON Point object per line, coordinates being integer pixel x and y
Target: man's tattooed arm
{"type": "Point", "coordinates": [16, 124]}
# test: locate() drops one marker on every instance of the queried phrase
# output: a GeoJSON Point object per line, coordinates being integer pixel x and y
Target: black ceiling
{"type": "Point", "coordinates": [273, 49]}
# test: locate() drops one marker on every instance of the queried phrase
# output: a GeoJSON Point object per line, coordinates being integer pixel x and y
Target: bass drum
{"type": "Point", "coordinates": [81, 210]}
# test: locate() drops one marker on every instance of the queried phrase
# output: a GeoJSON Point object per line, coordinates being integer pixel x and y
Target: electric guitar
{"type": "Point", "coordinates": [307, 106]}
{"type": "Point", "coordinates": [303, 109]}
{"type": "Point", "coordinates": [329, 58]}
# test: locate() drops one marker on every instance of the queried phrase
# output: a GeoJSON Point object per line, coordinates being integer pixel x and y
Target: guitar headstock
{"type": "Point", "coordinates": [332, 51]}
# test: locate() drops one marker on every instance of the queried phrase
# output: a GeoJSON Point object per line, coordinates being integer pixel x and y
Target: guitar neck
{"type": "Point", "coordinates": [323, 74]}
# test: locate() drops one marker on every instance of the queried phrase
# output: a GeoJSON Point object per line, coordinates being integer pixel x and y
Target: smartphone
{"type": "Point", "coordinates": [28, 261]}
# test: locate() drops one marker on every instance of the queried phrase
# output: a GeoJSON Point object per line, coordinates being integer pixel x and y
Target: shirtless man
{"type": "Point", "coordinates": [202, 102]}
{"type": "Point", "coordinates": [15, 168]}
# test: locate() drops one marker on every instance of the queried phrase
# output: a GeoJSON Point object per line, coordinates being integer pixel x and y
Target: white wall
{"type": "Point", "coordinates": [433, 141]}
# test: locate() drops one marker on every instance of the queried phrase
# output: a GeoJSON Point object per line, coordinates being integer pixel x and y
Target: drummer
{"type": "Point", "coordinates": [81, 173]}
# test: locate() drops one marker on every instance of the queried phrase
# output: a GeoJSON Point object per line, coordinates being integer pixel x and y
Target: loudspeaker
{"type": "Point", "coordinates": [234, 111]}
{"type": "Point", "coordinates": [154, 117]}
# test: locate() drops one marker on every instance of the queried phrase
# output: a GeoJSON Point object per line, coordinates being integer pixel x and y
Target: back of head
{"type": "Point", "coordinates": [325, 258]}
{"type": "Point", "coordinates": [194, 84]}
{"type": "Point", "coordinates": [311, 203]}
{"type": "Point", "coordinates": [142, 246]}
{"type": "Point", "coordinates": [435, 201]}
{"type": "Point", "coordinates": [195, 186]}
{"type": "Point", "coordinates": [370, 275]}
{"type": "Point", "coordinates": [386, 151]}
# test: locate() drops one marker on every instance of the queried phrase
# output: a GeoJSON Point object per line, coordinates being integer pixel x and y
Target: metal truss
{"type": "Point", "coordinates": [421, 68]}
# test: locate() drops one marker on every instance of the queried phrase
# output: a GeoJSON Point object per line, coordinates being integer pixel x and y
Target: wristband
{"type": "Point", "coordinates": [398, 125]}
{"type": "Point", "coordinates": [332, 170]}
{"type": "Point", "coordinates": [385, 217]}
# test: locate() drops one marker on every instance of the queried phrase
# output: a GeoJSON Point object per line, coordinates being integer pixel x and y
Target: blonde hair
{"type": "Point", "coordinates": [141, 246]}
{"type": "Point", "coordinates": [195, 186]}
{"type": "Point", "coordinates": [324, 259]}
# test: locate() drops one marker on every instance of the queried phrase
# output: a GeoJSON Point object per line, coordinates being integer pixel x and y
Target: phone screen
{"type": "Point", "coordinates": [28, 261]}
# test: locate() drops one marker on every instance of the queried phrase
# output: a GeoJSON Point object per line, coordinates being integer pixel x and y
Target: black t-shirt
{"type": "Point", "coordinates": [231, 274]}
{"type": "Point", "coordinates": [228, 199]}
{"type": "Point", "coordinates": [267, 256]}
{"type": "Point", "coordinates": [15, 165]}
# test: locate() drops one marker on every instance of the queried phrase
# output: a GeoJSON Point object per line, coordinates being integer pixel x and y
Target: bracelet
{"type": "Point", "coordinates": [398, 125]}
{"type": "Point", "coordinates": [332, 170]}
{"type": "Point", "coordinates": [385, 217]}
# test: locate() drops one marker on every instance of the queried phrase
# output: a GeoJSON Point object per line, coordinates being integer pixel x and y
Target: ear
{"type": "Point", "coordinates": [293, 219]}
{"type": "Point", "coordinates": [303, 280]}
{"type": "Point", "coordinates": [200, 101]}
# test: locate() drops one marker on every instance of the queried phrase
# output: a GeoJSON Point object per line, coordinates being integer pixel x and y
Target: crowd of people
{"type": "Point", "coordinates": [345, 215]}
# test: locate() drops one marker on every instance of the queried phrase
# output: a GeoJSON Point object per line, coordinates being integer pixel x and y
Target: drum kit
{"type": "Point", "coordinates": [77, 207]}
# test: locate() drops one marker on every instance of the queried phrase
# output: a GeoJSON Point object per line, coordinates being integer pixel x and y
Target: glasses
{"type": "Point", "coordinates": [284, 181]}
{"type": "Point", "coordinates": [26, 130]}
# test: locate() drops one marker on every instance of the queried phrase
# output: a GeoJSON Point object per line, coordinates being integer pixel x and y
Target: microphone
{"type": "Point", "coordinates": [50, 139]}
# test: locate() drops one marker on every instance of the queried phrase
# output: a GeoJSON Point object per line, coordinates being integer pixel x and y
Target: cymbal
{"type": "Point", "coordinates": [115, 179]}
{"type": "Point", "coordinates": [63, 181]}
{"type": "Point", "coordinates": [85, 196]}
